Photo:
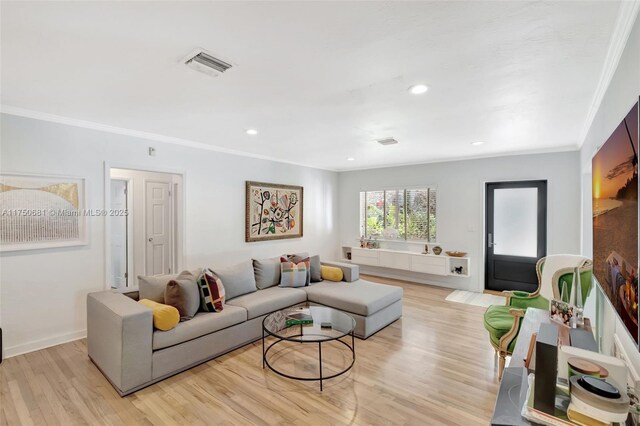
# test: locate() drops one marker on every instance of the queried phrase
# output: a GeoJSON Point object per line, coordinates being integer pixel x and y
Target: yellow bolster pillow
{"type": "Point", "coordinates": [165, 317]}
{"type": "Point", "coordinates": [331, 273]}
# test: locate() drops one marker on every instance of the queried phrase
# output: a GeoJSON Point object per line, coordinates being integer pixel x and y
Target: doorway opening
{"type": "Point", "coordinates": [144, 225]}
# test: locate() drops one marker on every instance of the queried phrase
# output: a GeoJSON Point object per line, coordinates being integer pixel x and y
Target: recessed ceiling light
{"type": "Point", "coordinates": [476, 143]}
{"type": "Point", "coordinates": [252, 132]}
{"type": "Point", "coordinates": [350, 159]}
{"type": "Point", "coordinates": [418, 89]}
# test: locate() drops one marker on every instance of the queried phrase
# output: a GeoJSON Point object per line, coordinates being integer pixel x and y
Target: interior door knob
{"type": "Point", "coordinates": [150, 239]}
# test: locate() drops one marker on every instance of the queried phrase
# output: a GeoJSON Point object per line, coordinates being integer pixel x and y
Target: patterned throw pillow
{"type": "Point", "coordinates": [293, 274]}
{"type": "Point", "coordinates": [211, 291]}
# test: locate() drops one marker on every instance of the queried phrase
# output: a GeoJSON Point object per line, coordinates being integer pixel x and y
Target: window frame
{"type": "Point", "coordinates": [363, 213]}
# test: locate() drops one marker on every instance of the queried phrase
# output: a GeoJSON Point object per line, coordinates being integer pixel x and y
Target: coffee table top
{"type": "Point", "coordinates": [342, 324]}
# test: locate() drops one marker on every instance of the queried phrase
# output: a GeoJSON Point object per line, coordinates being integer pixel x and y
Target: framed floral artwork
{"type": "Point", "coordinates": [274, 211]}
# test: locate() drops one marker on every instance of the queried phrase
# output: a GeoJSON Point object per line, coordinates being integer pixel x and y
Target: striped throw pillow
{"type": "Point", "coordinates": [293, 274]}
{"type": "Point", "coordinates": [211, 291]}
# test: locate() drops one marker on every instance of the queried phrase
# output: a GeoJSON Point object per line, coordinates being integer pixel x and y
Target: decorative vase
{"type": "Point", "coordinates": [437, 250]}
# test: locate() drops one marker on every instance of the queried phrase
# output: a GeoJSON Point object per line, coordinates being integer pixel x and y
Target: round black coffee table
{"type": "Point", "coordinates": [281, 325]}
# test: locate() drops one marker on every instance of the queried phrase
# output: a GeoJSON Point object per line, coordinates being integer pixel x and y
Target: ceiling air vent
{"type": "Point", "coordinates": [388, 141]}
{"type": "Point", "coordinates": [206, 63]}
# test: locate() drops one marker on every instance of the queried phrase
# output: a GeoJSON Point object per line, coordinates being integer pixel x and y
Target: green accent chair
{"type": "Point", "coordinates": [503, 321]}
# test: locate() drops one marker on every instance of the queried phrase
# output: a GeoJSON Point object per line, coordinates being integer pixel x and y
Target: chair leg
{"type": "Point", "coordinates": [501, 362]}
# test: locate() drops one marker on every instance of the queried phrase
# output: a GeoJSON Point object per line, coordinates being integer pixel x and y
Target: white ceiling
{"type": "Point", "coordinates": [321, 81]}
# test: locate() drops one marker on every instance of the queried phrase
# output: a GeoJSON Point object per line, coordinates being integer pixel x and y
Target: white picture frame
{"type": "Point", "coordinates": [42, 211]}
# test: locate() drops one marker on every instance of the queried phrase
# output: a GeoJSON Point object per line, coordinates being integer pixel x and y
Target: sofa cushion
{"type": "Point", "coordinates": [269, 300]}
{"type": "Point", "coordinates": [267, 272]}
{"type": "Point", "coordinates": [212, 295]}
{"type": "Point", "coordinates": [294, 274]}
{"type": "Point", "coordinates": [237, 279]}
{"type": "Point", "coordinates": [359, 297]}
{"type": "Point", "coordinates": [165, 317]}
{"type": "Point", "coordinates": [152, 287]}
{"type": "Point", "coordinates": [331, 273]}
{"type": "Point", "coordinates": [201, 324]}
{"type": "Point", "coordinates": [314, 267]}
{"type": "Point", "coordinates": [182, 293]}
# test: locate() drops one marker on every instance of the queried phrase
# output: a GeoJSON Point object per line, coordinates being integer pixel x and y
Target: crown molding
{"type": "Point", "coordinates": [627, 15]}
{"type": "Point", "coordinates": [38, 115]}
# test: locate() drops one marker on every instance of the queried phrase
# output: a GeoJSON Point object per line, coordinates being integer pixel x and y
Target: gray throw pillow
{"type": "Point", "coordinates": [267, 272]}
{"type": "Point", "coordinates": [152, 287]}
{"type": "Point", "coordinates": [237, 279]}
{"type": "Point", "coordinates": [314, 263]}
{"type": "Point", "coordinates": [183, 294]}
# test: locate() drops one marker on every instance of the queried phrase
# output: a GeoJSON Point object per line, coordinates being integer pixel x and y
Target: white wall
{"type": "Point", "coordinates": [43, 292]}
{"type": "Point", "coordinates": [620, 96]}
{"type": "Point", "coordinates": [460, 210]}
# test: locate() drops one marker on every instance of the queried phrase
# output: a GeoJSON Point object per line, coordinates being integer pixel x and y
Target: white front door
{"type": "Point", "coordinates": [159, 253]}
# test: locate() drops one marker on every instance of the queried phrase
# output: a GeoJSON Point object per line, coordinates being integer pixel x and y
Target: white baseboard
{"type": "Point", "coordinates": [36, 345]}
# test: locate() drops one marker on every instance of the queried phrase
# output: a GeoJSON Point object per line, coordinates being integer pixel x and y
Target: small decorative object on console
{"type": "Point", "coordinates": [456, 253]}
{"type": "Point", "coordinates": [457, 270]}
{"type": "Point", "coordinates": [437, 250]}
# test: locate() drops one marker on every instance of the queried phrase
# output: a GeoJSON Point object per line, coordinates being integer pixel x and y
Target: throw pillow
{"type": "Point", "coordinates": [293, 274]}
{"type": "Point", "coordinates": [183, 294]}
{"type": "Point", "coordinates": [331, 273]}
{"type": "Point", "coordinates": [267, 272]}
{"type": "Point", "coordinates": [165, 317]}
{"type": "Point", "coordinates": [315, 275]}
{"type": "Point", "coordinates": [237, 279]}
{"type": "Point", "coordinates": [211, 292]}
{"type": "Point", "coordinates": [152, 287]}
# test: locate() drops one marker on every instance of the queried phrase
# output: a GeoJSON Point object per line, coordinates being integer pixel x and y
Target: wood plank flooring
{"type": "Point", "coordinates": [434, 366]}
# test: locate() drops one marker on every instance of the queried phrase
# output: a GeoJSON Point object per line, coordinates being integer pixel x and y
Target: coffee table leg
{"type": "Point", "coordinates": [320, 359]}
{"type": "Point", "coordinates": [263, 347]}
{"type": "Point", "coordinates": [353, 343]}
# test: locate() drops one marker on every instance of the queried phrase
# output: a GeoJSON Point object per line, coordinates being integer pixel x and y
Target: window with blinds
{"type": "Point", "coordinates": [407, 214]}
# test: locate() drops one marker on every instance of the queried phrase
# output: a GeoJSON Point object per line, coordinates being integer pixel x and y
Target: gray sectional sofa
{"type": "Point", "coordinates": [131, 354]}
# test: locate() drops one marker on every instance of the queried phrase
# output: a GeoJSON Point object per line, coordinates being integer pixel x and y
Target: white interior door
{"type": "Point", "coordinates": [158, 219]}
{"type": "Point", "coordinates": [119, 249]}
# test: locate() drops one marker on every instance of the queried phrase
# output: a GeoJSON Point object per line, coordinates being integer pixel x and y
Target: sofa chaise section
{"type": "Point", "coordinates": [373, 305]}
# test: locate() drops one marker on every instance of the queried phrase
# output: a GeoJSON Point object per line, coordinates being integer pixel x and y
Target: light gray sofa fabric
{"type": "Point", "coordinates": [180, 357]}
{"type": "Point", "coordinates": [237, 279]}
{"type": "Point", "coordinates": [269, 300]}
{"type": "Point", "coordinates": [359, 297]}
{"type": "Point", "coordinates": [119, 338]}
{"type": "Point", "coordinates": [351, 272]}
{"type": "Point", "coordinates": [201, 324]}
{"type": "Point", "coordinates": [267, 272]}
{"type": "Point", "coordinates": [131, 355]}
{"type": "Point", "coordinates": [152, 287]}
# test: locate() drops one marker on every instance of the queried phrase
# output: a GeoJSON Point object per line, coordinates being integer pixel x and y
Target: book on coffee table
{"type": "Point", "coordinates": [297, 318]}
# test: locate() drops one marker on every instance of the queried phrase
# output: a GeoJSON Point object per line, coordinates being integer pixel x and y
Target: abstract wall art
{"type": "Point", "coordinates": [273, 211]}
{"type": "Point", "coordinates": [615, 219]}
{"type": "Point", "coordinates": [38, 212]}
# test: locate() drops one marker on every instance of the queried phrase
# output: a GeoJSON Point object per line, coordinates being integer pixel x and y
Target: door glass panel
{"type": "Point", "coordinates": [515, 222]}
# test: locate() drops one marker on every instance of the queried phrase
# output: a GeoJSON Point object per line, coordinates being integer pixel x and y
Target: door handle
{"type": "Point", "coordinates": [489, 240]}
{"type": "Point", "coordinates": [150, 239]}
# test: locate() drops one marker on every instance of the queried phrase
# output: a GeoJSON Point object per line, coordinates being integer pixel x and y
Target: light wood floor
{"type": "Point", "coordinates": [434, 366]}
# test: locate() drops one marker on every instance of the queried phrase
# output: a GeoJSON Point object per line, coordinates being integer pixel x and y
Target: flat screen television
{"type": "Point", "coordinates": [615, 219]}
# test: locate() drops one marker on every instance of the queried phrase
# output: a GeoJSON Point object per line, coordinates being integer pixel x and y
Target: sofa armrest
{"type": "Point", "coordinates": [351, 272]}
{"type": "Point", "coordinates": [119, 338]}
